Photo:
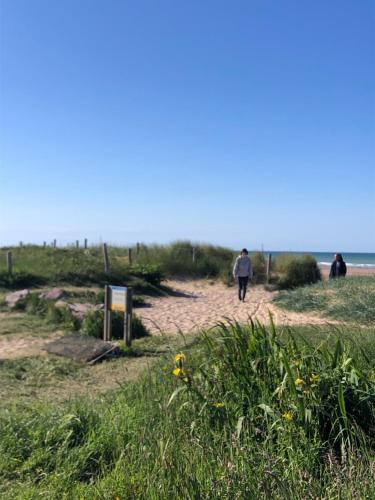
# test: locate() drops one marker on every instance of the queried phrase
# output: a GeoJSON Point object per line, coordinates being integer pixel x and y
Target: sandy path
{"type": "Point", "coordinates": [196, 304]}
{"type": "Point", "coordinates": [201, 303]}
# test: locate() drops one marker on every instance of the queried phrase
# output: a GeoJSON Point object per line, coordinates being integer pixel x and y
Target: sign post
{"type": "Point", "coordinates": [269, 260]}
{"type": "Point", "coordinates": [118, 298]}
{"type": "Point", "coordinates": [128, 318]}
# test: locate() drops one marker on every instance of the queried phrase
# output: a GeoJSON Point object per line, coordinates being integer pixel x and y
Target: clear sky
{"type": "Point", "coordinates": [242, 123]}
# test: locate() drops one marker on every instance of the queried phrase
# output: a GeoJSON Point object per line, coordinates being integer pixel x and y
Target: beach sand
{"type": "Point", "coordinates": [351, 271]}
{"type": "Point", "coordinates": [199, 304]}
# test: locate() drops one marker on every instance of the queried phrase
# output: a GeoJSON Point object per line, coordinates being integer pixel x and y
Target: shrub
{"type": "Point", "coordinates": [62, 316]}
{"type": "Point", "coordinates": [296, 271]}
{"type": "Point", "coordinates": [149, 272]}
{"type": "Point", "coordinates": [259, 267]}
{"type": "Point", "coordinates": [34, 304]}
{"type": "Point", "coordinates": [20, 280]}
{"type": "Point", "coordinates": [176, 259]}
{"type": "Point", "coordinates": [93, 322]}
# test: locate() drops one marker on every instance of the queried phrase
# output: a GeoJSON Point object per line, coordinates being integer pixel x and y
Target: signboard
{"type": "Point", "coordinates": [117, 298]}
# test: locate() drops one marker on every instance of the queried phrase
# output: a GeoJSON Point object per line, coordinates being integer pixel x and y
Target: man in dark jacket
{"type": "Point", "coordinates": [338, 267]}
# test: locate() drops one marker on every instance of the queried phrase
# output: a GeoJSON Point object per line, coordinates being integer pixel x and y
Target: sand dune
{"type": "Point", "coordinates": [200, 303]}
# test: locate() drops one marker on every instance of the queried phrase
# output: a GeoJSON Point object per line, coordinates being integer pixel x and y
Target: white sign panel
{"type": "Point", "coordinates": [117, 298]}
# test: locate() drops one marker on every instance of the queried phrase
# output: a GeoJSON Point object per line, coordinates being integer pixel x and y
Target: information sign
{"type": "Point", "coordinates": [117, 298]}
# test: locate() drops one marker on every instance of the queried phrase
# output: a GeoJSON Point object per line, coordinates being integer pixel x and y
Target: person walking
{"type": "Point", "coordinates": [242, 271]}
{"type": "Point", "coordinates": [338, 267]}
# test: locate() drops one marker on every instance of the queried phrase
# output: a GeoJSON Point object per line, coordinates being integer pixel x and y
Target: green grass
{"type": "Point", "coordinates": [24, 325]}
{"type": "Point", "coordinates": [33, 265]}
{"type": "Point", "coordinates": [219, 429]}
{"type": "Point", "coordinates": [38, 266]}
{"type": "Point", "coordinates": [349, 299]}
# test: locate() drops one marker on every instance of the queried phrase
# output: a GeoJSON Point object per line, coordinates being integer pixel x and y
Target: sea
{"type": "Point", "coordinates": [360, 260]}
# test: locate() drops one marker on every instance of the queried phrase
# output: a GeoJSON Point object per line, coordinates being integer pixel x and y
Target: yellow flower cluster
{"type": "Point", "coordinates": [287, 416]}
{"type": "Point", "coordinates": [180, 357]}
{"type": "Point", "coordinates": [314, 378]}
{"type": "Point", "coordinates": [218, 404]}
{"type": "Point", "coordinates": [178, 372]}
{"type": "Point", "coordinates": [299, 382]}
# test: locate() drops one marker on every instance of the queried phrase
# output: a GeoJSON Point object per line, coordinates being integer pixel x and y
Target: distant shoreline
{"type": "Point", "coordinates": [351, 271]}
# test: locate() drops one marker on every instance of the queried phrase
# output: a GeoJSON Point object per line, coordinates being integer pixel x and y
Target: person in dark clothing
{"type": "Point", "coordinates": [242, 271]}
{"type": "Point", "coordinates": [338, 267]}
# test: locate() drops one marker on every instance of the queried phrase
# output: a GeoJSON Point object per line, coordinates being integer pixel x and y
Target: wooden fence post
{"type": "Point", "coordinates": [137, 248]}
{"type": "Point", "coordinates": [85, 244]}
{"type": "Point", "coordinates": [128, 317]}
{"type": "Point", "coordinates": [105, 257]}
{"type": "Point", "coordinates": [193, 254]}
{"type": "Point", "coordinates": [21, 244]}
{"type": "Point", "coordinates": [269, 260]}
{"type": "Point", "coordinates": [107, 327]}
{"type": "Point", "coordinates": [9, 262]}
{"type": "Point", "coordinates": [130, 258]}
{"type": "Point", "coordinates": [44, 244]}
{"type": "Point", "coordinates": [54, 243]}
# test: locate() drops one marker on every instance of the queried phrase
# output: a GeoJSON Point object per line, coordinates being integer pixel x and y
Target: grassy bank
{"type": "Point", "coordinates": [33, 265]}
{"type": "Point", "coordinates": [246, 413]}
{"type": "Point", "coordinates": [150, 264]}
{"type": "Point", "coordinates": [349, 299]}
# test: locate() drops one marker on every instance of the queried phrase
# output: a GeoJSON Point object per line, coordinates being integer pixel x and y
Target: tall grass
{"type": "Point", "coordinates": [295, 271]}
{"type": "Point", "coordinates": [34, 265]}
{"type": "Point", "coordinates": [183, 258]}
{"type": "Point", "coordinates": [228, 419]}
{"type": "Point", "coordinates": [349, 299]}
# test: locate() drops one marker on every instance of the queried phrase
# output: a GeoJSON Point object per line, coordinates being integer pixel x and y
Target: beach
{"type": "Point", "coordinates": [351, 271]}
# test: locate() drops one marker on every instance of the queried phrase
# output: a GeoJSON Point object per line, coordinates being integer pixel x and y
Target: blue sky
{"type": "Point", "coordinates": [240, 123]}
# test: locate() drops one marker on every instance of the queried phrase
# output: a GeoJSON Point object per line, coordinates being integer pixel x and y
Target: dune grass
{"type": "Point", "coordinates": [34, 265]}
{"type": "Point", "coordinates": [349, 299]}
{"type": "Point", "coordinates": [247, 413]}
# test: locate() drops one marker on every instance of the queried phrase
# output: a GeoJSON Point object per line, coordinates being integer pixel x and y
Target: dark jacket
{"type": "Point", "coordinates": [341, 270]}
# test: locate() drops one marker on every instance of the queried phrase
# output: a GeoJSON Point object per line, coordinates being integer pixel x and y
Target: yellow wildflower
{"type": "Point", "coordinates": [186, 379]}
{"type": "Point", "coordinates": [218, 405]}
{"type": "Point", "coordinates": [299, 381]}
{"type": "Point", "coordinates": [178, 372]}
{"type": "Point", "coordinates": [180, 357]}
{"type": "Point", "coordinates": [287, 416]}
{"type": "Point", "coordinates": [296, 362]}
{"type": "Point", "coordinates": [314, 378]}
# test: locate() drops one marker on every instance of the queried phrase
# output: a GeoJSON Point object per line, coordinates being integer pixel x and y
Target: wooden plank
{"type": "Point", "coordinates": [85, 244]}
{"type": "Point", "coordinates": [130, 258]}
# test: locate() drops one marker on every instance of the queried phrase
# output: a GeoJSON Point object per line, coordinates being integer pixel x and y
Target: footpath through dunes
{"type": "Point", "coordinates": [190, 306]}
{"type": "Point", "coordinates": [197, 304]}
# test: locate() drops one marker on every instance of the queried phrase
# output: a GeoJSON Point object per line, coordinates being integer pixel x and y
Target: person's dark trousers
{"type": "Point", "coordinates": [242, 285]}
